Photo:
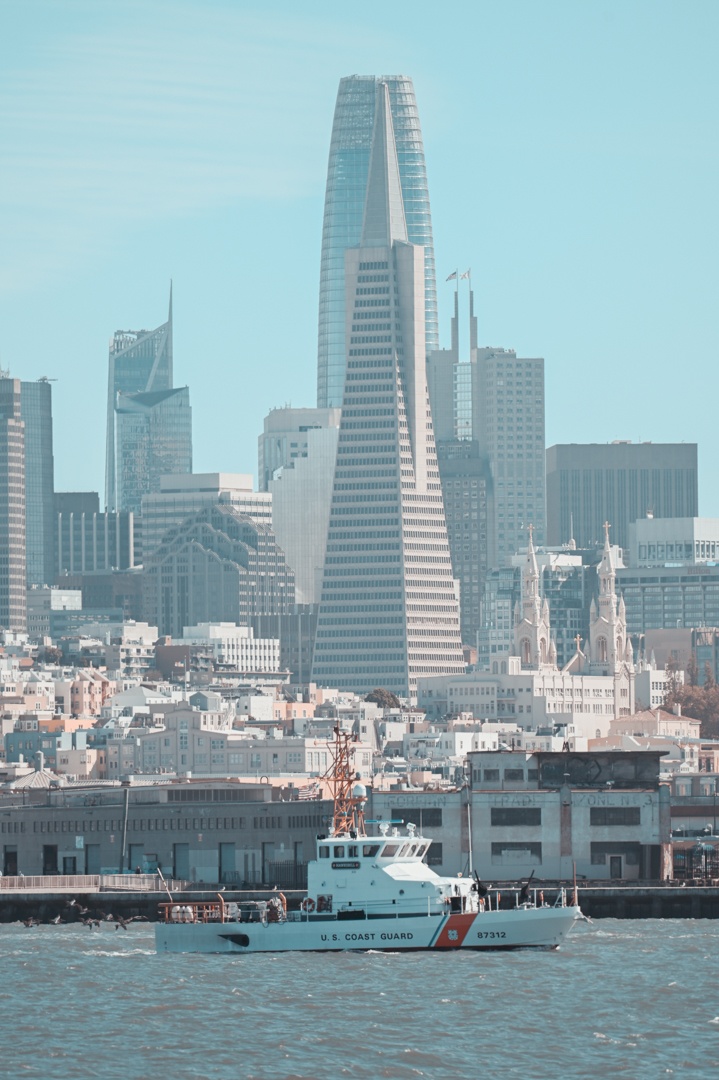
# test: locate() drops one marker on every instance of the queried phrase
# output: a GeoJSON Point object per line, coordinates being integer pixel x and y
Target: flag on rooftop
{"type": "Point", "coordinates": [309, 791]}
{"type": "Point", "coordinates": [452, 276]}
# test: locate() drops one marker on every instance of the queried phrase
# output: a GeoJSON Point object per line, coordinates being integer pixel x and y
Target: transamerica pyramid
{"type": "Point", "coordinates": [389, 613]}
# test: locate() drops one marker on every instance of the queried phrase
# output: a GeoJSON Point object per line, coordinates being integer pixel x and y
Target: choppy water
{"type": "Point", "coordinates": [630, 999]}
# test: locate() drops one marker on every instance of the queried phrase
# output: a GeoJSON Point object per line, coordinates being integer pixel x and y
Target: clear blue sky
{"type": "Point", "coordinates": [573, 164]}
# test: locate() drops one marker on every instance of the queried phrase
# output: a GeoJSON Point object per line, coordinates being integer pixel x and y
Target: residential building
{"type": "Point", "coordinates": [347, 174]}
{"type": "Point", "coordinates": [389, 613]}
{"type": "Point", "coordinates": [179, 496]}
{"type": "Point", "coordinates": [13, 564]}
{"type": "Point", "coordinates": [153, 437]}
{"type": "Point", "coordinates": [140, 361]}
{"type": "Point", "coordinates": [619, 482]}
{"type": "Point", "coordinates": [236, 648]}
{"type": "Point", "coordinates": [297, 452]}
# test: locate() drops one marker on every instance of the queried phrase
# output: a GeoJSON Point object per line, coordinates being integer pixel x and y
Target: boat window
{"type": "Point", "coordinates": [370, 850]}
{"type": "Point", "coordinates": [389, 850]}
{"type": "Point", "coordinates": [339, 851]}
{"type": "Point", "coordinates": [324, 852]}
{"type": "Point", "coordinates": [423, 850]}
{"type": "Point", "coordinates": [412, 850]}
{"type": "Point", "coordinates": [352, 851]}
{"type": "Point", "coordinates": [404, 850]}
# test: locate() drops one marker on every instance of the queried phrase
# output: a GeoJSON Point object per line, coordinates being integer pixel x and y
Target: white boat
{"type": "Point", "coordinates": [369, 892]}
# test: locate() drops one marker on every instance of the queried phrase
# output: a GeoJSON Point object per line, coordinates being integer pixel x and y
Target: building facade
{"type": "Point", "coordinates": [36, 412]}
{"type": "Point", "coordinates": [388, 613]}
{"type": "Point", "coordinates": [13, 569]}
{"type": "Point", "coordinates": [619, 482]}
{"type": "Point", "coordinates": [88, 541]}
{"type": "Point", "coordinates": [347, 173]}
{"type": "Point", "coordinates": [690, 541]}
{"type": "Point", "coordinates": [153, 438]}
{"type": "Point", "coordinates": [217, 566]}
{"type": "Point", "coordinates": [495, 398]}
{"type": "Point", "coordinates": [179, 496]}
{"type": "Point", "coordinates": [140, 361]}
{"type": "Point", "coordinates": [297, 453]}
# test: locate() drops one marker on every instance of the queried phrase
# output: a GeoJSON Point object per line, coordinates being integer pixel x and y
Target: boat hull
{"type": "Point", "coordinates": [517, 928]}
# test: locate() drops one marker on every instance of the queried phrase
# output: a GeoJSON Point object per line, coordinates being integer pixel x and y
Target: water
{"type": "Point", "coordinates": [630, 999]}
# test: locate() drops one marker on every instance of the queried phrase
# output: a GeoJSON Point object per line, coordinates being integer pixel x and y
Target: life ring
{"type": "Point", "coordinates": [308, 904]}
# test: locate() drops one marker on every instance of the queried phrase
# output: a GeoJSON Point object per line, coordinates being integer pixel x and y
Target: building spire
{"type": "Point", "coordinates": [384, 220]}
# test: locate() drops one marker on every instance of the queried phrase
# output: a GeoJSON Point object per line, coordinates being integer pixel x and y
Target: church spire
{"type": "Point", "coordinates": [384, 220]}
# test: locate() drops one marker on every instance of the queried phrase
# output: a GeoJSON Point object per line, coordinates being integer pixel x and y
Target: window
{"type": "Point", "coordinates": [434, 855]}
{"type": "Point", "coordinates": [615, 815]}
{"type": "Point", "coordinates": [491, 774]}
{"type": "Point", "coordinates": [514, 774]}
{"type": "Point", "coordinates": [511, 815]}
{"type": "Point", "coordinates": [370, 850]}
{"type": "Point", "coordinates": [426, 817]}
{"type": "Point", "coordinates": [505, 853]}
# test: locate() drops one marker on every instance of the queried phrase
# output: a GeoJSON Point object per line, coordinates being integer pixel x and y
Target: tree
{"type": "Point", "coordinates": [383, 697]}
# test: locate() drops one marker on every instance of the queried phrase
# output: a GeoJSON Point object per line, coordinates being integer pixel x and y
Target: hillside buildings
{"type": "Point", "coordinates": [388, 614]}
{"type": "Point", "coordinates": [527, 687]}
{"type": "Point", "coordinates": [347, 173]}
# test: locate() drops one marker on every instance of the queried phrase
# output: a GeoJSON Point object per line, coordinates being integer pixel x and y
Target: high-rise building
{"type": "Point", "coordinates": [13, 611]}
{"type": "Point", "coordinates": [491, 402]}
{"type": "Point", "coordinates": [36, 412]}
{"type": "Point", "coordinates": [347, 172]}
{"type": "Point", "coordinates": [182, 495]}
{"type": "Point", "coordinates": [153, 438]}
{"type": "Point", "coordinates": [618, 482]}
{"type": "Point", "coordinates": [88, 540]}
{"type": "Point", "coordinates": [217, 566]}
{"type": "Point", "coordinates": [389, 613]}
{"type": "Point", "coordinates": [140, 361]}
{"type": "Point", "coordinates": [297, 452]}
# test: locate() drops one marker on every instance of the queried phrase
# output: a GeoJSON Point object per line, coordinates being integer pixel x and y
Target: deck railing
{"type": "Point", "coordinates": [90, 883]}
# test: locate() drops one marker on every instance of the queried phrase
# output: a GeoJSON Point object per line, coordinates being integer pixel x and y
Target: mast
{"type": "Point", "coordinates": [348, 793]}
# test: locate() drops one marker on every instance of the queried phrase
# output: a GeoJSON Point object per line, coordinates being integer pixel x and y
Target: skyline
{"type": "Point", "coordinates": [588, 174]}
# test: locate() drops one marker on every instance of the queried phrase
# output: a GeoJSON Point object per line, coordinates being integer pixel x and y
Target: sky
{"type": "Point", "coordinates": [573, 164]}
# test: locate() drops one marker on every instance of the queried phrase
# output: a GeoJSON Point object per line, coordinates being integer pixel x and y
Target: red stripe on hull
{"type": "Point", "coordinates": [454, 931]}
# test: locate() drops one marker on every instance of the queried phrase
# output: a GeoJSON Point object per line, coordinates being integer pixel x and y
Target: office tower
{"type": "Point", "coordinates": [510, 430]}
{"type": "Point", "coordinates": [182, 495]}
{"type": "Point", "coordinates": [153, 437]}
{"type": "Point", "coordinates": [140, 361]}
{"type": "Point", "coordinates": [88, 540]}
{"type": "Point", "coordinates": [347, 173]}
{"type": "Point", "coordinates": [36, 412]}
{"type": "Point", "coordinates": [217, 566]}
{"type": "Point", "coordinates": [297, 452]}
{"type": "Point", "coordinates": [388, 612]}
{"type": "Point", "coordinates": [656, 541]}
{"type": "Point", "coordinates": [12, 507]}
{"type": "Point", "coordinates": [492, 402]}
{"type": "Point", "coordinates": [467, 492]}
{"type": "Point", "coordinates": [618, 482]}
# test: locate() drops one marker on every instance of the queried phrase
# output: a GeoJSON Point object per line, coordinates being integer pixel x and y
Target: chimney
{"type": "Point", "coordinates": [677, 709]}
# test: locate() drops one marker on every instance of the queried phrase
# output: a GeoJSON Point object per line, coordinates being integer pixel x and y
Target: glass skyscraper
{"type": "Point", "coordinates": [347, 173]}
{"type": "Point", "coordinates": [140, 361]}
{"type": "Point", "coordinates": [153, 438]}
